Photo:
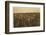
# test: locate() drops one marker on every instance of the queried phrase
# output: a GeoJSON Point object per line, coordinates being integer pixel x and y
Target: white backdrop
{"type": "Point", "coordinates": [2, 18]}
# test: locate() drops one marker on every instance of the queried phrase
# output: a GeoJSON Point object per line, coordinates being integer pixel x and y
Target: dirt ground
{"type": "Point", "coordinates": [26, 19]}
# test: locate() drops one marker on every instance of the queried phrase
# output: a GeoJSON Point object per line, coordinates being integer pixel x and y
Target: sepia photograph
{"type": "Point", "coordinates": [26, 16]}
